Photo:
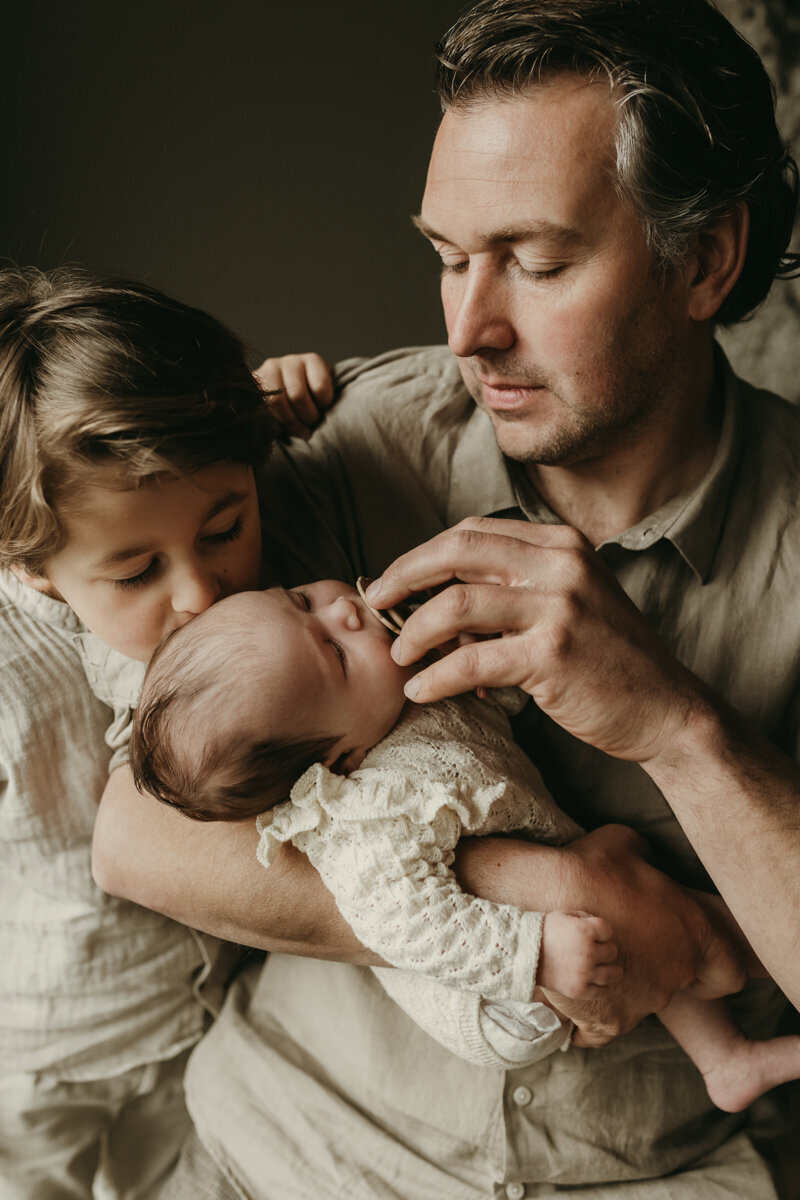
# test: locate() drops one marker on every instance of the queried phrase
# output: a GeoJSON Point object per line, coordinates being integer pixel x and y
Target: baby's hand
{"type": "Point", "coordinates": [576, 954]}
{"type": "Point", "coordinates": [303, 387]}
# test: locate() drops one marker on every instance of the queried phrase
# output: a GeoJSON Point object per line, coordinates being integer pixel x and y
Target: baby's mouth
{"type": "Point", "coordinates": [393, 618]}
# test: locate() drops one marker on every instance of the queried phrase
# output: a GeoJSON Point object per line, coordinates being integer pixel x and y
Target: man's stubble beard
{"type": "Point", "coordinates": [581, 435]}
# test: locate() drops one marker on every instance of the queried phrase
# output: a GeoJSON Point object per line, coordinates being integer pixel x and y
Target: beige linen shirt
{"type": "Point", "coordinates": [90, 985]}
{"type": "Point", "coordinates": [312, 1083]}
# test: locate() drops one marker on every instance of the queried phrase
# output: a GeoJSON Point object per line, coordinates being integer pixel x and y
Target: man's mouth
{"type": "Point", "coordinates": [505, 396]}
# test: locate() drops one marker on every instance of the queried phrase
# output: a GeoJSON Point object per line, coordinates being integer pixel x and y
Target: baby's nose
{"type": "Point", "coordinates": [347, 611]}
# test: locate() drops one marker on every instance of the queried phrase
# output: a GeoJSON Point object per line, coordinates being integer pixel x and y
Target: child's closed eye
{"type": "Point", "coordinates": [227, 535]}
{"type": "Point", "coordinates": [138, 580]}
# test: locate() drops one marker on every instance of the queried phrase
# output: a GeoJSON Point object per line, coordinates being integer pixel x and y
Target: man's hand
{"type": "Point", "coordinates": [570, 636]}
{"type": "Point", "coordinates": [666, 937]}
{"type": "Point", "coordinates": [299, 388]}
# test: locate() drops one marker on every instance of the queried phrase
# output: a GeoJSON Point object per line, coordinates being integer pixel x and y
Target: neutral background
{"type": "Point", "coordinates": [261, 159]}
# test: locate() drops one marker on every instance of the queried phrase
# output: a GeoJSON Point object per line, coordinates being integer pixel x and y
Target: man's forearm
{"type": "Point", "coordinates": [738, 800]}
{"type": "Point", "coordinates": [206, 875]}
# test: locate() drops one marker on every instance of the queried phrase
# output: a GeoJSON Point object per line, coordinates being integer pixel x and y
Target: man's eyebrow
{"type": "Point", "coordinates": [120, 556]}
{"type": "Point", "coordinates": [545, 231]}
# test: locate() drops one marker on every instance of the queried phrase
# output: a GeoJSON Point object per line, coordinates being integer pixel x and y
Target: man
{"type": "Point", "coordinates": [607, 184]}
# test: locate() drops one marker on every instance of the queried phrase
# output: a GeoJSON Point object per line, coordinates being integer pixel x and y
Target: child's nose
{"type": "Point", "coordinates": [194, 590]}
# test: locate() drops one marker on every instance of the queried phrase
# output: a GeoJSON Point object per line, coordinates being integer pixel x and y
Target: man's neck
{"type": "Point", "coordinates": [605, 495]}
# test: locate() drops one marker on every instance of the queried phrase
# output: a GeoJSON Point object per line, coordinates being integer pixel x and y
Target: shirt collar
{"type": "Point", "coordinates": [480, 482]}
{"type": "Point", "coordinates": [693, 521]}
{"type": "Point", "coordinates": [485, 483]}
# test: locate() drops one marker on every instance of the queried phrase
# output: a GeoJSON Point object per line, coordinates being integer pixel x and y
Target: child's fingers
{"type": "Point", "coordinates": [269, 374]}
{"type": "Point", "coordinates": [281, 409]}
{"type": "Point", "coordinates": [296, 386]}
{"type": "Point", "coordinates": [320, 379]}
{"type": "Point", "coordinates": [303, 388]}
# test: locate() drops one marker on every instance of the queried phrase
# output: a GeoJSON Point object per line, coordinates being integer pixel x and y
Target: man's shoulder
{"type": "Point", "coordinates": [771, 434]}
{"type": "Point", "coordinates": [401, 387]}
{"type": "Point", "coordinates": [414, 367]}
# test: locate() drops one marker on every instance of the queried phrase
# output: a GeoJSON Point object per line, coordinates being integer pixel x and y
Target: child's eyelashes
{"type": "Point", "coordinates": [151, 570]}
{"type": "Point", "coordinates": [139, 580]}
{"type": "Point", "coordinates": [227, 535]}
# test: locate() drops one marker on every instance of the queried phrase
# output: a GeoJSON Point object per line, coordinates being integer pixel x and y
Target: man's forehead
{"type": "Point", "coordinates": [567, 116]}
{"type": "Point", "coordinates": [537, 167]}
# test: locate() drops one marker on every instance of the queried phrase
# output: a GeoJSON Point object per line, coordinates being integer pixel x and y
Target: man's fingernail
{"type": "Point", "coordinates": [412, 688]}
{"type": "Point", "coordinates": [373, 592]}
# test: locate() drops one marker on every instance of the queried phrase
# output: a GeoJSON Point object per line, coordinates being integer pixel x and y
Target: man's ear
{"type": "Point", "coordinates": [39, 583]}
{"type": "Point", "coordinates": [719, 258]}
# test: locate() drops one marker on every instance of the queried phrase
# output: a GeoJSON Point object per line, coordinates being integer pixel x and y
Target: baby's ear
{"type": "Point", "coordinates": [38, 582]}
{"type": "Point", "coordinates": [347, 761]}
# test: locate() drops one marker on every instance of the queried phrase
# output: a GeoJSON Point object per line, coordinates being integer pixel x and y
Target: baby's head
{"type": "Point", "coordinates": [240, 702]}
{"type": "Point", "coordinates": [129, 427]}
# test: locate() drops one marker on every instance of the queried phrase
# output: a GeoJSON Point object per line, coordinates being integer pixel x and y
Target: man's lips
{"type": "Point", "coordinates": [503, 396]}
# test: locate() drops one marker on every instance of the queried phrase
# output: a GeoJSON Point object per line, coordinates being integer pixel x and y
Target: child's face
{"type": "Point", "coordinates": [327, 667]}
{"type": "Point", "coordinates": [142, 561]}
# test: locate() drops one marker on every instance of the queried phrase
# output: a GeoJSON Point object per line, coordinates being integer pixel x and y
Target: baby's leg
{"type": "Point", "coordinates": [735, 1068]}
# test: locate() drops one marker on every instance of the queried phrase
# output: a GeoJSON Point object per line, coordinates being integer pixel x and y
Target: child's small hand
{"type": "Point", "coordinates": [576, 955]}
{"type": "Point", "coordinates": [303, 384]}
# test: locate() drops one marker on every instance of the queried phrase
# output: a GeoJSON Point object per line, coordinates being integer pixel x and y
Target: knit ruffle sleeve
{"type": "Point", "coordinates": [383, 839]}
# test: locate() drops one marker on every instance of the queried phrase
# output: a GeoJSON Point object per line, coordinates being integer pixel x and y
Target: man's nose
{"type": "Point", "coordinates": [194, 589]}
{"type": "Point", "coordinates": [477, 314]}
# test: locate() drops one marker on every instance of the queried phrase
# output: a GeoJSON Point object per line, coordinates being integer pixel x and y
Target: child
{"type": "Point", "coordinates": [129, 428]}
{"type": "Point", "coordinates": [380, 794]}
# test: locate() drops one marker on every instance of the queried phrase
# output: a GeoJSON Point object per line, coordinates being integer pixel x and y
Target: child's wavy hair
{"type": "Point", "coordinates": [97, 370]}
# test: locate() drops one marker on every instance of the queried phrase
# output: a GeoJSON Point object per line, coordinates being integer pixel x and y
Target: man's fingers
{"type": "Point", "coordinates": [476, 609]}
{"type": "Point", "coordinates": [481, 664]}
{"type": "Point", "coordinates": [478, 550]}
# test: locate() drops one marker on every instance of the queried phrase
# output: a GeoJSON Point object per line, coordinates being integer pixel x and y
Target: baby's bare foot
{"type": "Point", "coordinates": [750, 1069]}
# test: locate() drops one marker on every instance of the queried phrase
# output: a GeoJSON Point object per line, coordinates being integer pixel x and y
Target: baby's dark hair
{"type": "Point", "coordinates": [185, 755]}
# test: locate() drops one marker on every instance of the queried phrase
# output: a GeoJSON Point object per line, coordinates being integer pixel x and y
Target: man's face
{"type": "Point", "coordinates": [564, 334]}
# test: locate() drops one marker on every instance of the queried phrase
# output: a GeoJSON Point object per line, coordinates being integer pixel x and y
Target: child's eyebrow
{"type": "Point", "coordinates": [120, 556]}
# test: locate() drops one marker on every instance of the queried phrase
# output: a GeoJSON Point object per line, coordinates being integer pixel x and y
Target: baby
{"type": "Point", "coordinates": [279, 694]}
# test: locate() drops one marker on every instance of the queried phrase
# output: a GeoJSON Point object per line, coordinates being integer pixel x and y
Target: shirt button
{"type": "Point", "coordinates": [515, 1191]}
{"type": "Point", "coordinates": [522, 1096]}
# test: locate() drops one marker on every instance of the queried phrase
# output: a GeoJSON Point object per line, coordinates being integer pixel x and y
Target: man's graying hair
{"type": "Point", "coordinates": [696, 133]}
